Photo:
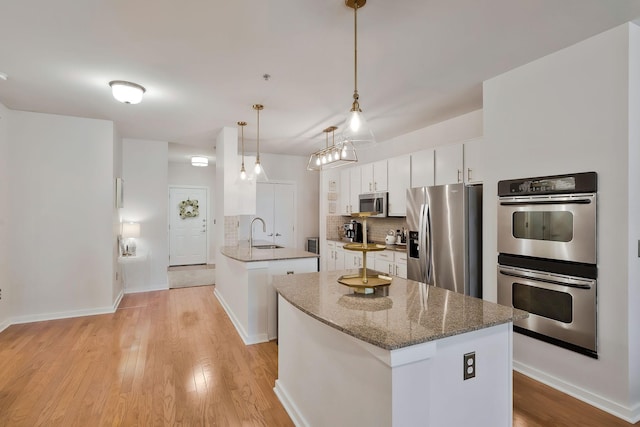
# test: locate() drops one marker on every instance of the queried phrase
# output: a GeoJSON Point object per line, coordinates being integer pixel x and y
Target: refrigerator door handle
{"type": "Point", "coordinates": [428, 246]}
{"type": "Point", "coordinates": [421, 247]}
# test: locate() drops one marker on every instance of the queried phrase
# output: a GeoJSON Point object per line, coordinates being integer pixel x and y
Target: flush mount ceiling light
{"type": "Point", "coordinates": [258, 167]}
{"type": "Point", "coordinates": [127, 92]}
{"type": "Point", "coordinates": [332, 156]}
{"type": "Point", "coordinates": [355, 128]}
{"type": "Point", "coordinates": [243, 172]}
{"type": "Point", "coordinates": [199, 161]}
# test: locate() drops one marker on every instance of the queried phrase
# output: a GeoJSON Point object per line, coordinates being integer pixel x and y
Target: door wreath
{"type": "Point", "coordinates": [188, 209]}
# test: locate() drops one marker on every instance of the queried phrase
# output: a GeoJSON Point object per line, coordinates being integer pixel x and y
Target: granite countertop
{"type": "Point", "coordinates": [242, 253]}
{"type": "Point", "coordinates": [397, 248]}
{"type": "Point", "coordinates": [412, 313]}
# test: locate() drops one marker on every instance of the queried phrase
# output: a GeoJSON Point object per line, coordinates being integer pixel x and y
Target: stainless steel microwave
{"type": "Point", "coordinates": [374, 202]}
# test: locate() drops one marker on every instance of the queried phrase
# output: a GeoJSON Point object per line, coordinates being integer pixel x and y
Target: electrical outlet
{"type": "Point", "coordinates": [469, 365]}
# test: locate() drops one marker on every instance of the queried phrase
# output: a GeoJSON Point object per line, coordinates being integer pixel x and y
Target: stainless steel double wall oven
{"type": "Point", "coordinates": [547, 262]}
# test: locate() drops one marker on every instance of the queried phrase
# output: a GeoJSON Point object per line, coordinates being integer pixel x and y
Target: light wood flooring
{"type": "Point", "coordinates": [174, 358]}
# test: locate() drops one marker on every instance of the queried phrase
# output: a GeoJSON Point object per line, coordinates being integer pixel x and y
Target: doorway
{"type": "Point", "coordinates": [188, 236]}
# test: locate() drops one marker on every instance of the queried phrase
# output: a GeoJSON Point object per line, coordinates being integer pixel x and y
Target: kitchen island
{"type": "Point", "coordinates": [244, 286]}
{"type": "Point", "coordinates": [391, 360]}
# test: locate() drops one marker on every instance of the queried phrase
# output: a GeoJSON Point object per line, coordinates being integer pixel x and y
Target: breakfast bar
{"type": "Point", "coordinates": [411, 355]}
{"type": "Point", "coordinates": [244, 285]}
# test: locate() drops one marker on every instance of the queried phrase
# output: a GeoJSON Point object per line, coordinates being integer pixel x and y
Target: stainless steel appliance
{"type": "Point", "coordinates": [548, 257]}
{"type": "Point", "coordinates": [353, 231]}
{"type": "Point", "coordinates": [374, 202]}
{"type": "Point", "coordinates": [444, 247]}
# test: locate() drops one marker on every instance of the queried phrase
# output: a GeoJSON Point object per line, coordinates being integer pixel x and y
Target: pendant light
{"type": "Point", "coordinates": [356, 129]}
{"type": "Point", "coordinates": [258, 167]}
{"type": "Point", "coordinates": [334, 155]}
{"type": "Point", "coordinates": [243, 172]}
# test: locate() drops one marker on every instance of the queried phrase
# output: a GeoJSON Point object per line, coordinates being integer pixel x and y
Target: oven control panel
{"type": "Point", "coordinates": [585, 182]}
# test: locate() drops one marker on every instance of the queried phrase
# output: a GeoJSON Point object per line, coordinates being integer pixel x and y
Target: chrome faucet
{"type": "Point", "coordinates": [264, 229]}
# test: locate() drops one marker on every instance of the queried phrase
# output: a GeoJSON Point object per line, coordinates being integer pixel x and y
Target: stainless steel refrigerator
{"type": "Point", "coordinates": [444, 246]}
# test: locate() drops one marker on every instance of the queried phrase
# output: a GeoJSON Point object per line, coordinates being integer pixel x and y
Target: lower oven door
{"type": "Point", "coordinates": [560, 307]}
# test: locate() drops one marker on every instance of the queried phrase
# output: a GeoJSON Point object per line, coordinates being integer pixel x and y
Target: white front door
{"type": "Point", "coordinates": [187, 225]}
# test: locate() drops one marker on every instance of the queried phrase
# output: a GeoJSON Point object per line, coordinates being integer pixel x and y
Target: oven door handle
{"type": "Point", "coordinates": [546, 202]}
{"type": "Point", "coordinates": [540, 278]}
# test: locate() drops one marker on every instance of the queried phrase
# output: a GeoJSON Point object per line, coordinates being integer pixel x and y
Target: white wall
{"type": "Point", "coordinates": [634, 214]}
{"type": "Point", "coordinates": [60, 216]}
{"type": "Point", "coordinates": [146, 192]}
{"type": "Point", "coordinates": [185, 174]}
{"type": "Point", "coordinates": [458, 129]}
{"type": "Point", "coordinates": [5, 285]}
{"type": "Point", "coordinates": [570, 112]}
{"type": "Point", "coordinates": [118, 284]}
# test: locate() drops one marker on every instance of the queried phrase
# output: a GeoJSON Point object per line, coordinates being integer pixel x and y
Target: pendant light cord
{"type": "Point", "coordinates": [356, 104]}
{"type": "Point", "coordinates": [242, 137]}
{"type": "Point", "coordinates": [258, 139]}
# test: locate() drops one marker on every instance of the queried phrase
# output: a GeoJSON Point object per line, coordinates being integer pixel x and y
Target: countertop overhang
{"type": "Point", "coordinates": [411, 313]}
{"type": "Point", "coordinates": [242, 253]}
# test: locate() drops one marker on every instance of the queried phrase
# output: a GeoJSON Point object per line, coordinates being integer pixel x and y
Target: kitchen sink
{"type": "Point", "coordinates": [267, 246]}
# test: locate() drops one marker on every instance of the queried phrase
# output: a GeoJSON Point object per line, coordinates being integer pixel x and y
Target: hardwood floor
{"type": "Point", "coordinates": [164, 358]}
{"type": "Point", "coordinates": [174, 358]}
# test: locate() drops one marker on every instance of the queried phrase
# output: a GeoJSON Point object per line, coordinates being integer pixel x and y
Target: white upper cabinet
{"type": "Point", "coordinates": [399, 180]}
{"type": "Point", "coordinates": [422, 168]}
{"type": "Point", "coordinates": [374, 177]}
{"type": "Point", "coordinates": [474, 161]}
{"type": "Point", "coordinates": [449, 164]}
{"type": "Point", "coordinates": [350, 186]}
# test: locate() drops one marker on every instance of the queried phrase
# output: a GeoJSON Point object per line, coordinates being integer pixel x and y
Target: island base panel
{"type": "Point", "coordinates": [326, 377]}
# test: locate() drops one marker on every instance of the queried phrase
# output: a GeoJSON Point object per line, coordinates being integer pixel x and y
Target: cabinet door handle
{"type": "Point", "coordinates": [459, 175]}
{"type": "Point", "coordinates": [468, 174]}
{"type": "Point", "coordinates": [396, 270]}
{"type": "Point", "coordinates": [278, 234]}
{"type": "Point", "coordinates": [270, 234]}
{"type": "Point", "coordinates": [375, 186]}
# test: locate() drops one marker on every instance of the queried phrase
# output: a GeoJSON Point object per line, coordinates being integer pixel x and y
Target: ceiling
{"type": "Point", "coordinates": [202, 62]}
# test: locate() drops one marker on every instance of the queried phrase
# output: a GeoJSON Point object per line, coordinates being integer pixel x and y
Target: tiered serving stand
{"type": "Point", "coordinates": [367, 281]}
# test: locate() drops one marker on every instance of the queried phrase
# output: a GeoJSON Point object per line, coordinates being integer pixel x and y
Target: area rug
{"type": "Point", "coordinates": [187, 278]}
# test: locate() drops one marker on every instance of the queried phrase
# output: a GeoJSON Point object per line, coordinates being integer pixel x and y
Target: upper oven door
{"type": "Point", "coordinates": [554, 227]}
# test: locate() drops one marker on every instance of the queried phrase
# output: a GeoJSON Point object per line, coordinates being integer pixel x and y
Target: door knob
{"type": "Point", "coordinates": [270, 234]}
{"type": "Point", "coordinates": [278, 234]}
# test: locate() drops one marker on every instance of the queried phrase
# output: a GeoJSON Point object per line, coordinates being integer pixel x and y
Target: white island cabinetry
{"type": "Point", "coordinates": [244, 286]}
{"type": "Point", "coordinates": [395, 360]}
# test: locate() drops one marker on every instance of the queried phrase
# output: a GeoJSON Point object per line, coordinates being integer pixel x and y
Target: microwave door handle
{"type": "Point", "coordinates": [538, 278]}
{"type": "Point", "coordinates": [377, 205]}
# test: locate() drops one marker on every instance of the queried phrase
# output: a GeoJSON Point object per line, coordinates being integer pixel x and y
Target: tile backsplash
{"type": "Point", "coordinates": [378, 227]}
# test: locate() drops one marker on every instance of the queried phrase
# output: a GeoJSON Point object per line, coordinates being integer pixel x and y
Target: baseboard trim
{"type": "Point", "coordinates": [289, 405]}
{"type": "Point", "coordinates": [629, 414]}
{"type": "Point", "coordinates": [244, 336]}
{"type": "Point", "coordinates": [4, 325]}
{"type": "Point", "coordinates": [117, 301]}
{"type": "Point", "coordinates": [61, 315]}
{"type": "Point", "coordinates": [138, 290]}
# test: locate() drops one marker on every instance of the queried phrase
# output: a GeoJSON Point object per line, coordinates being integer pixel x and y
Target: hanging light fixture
{"type": "Point", "coordinates": [243, 172]}
{"type": "Point", "coordinates": [356, 129]}
{"type": "Point", "coordinates": [127, 92]}
{"type": "Point", "coordinates": [334, 155]}
{"type": "Point", "coordinates": [258, 167]}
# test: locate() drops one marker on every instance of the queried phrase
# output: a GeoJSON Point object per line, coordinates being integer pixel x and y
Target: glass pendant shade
{"type": "Point", "coordinates": [357, 130]}
{"type": "Point", "coordinates": [199, 161]}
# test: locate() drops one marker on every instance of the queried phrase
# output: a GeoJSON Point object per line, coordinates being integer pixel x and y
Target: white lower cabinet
{"type": "Point", "coordinates": [401, 264]}
{"type": "Point", "coordinates": [392, 262]}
